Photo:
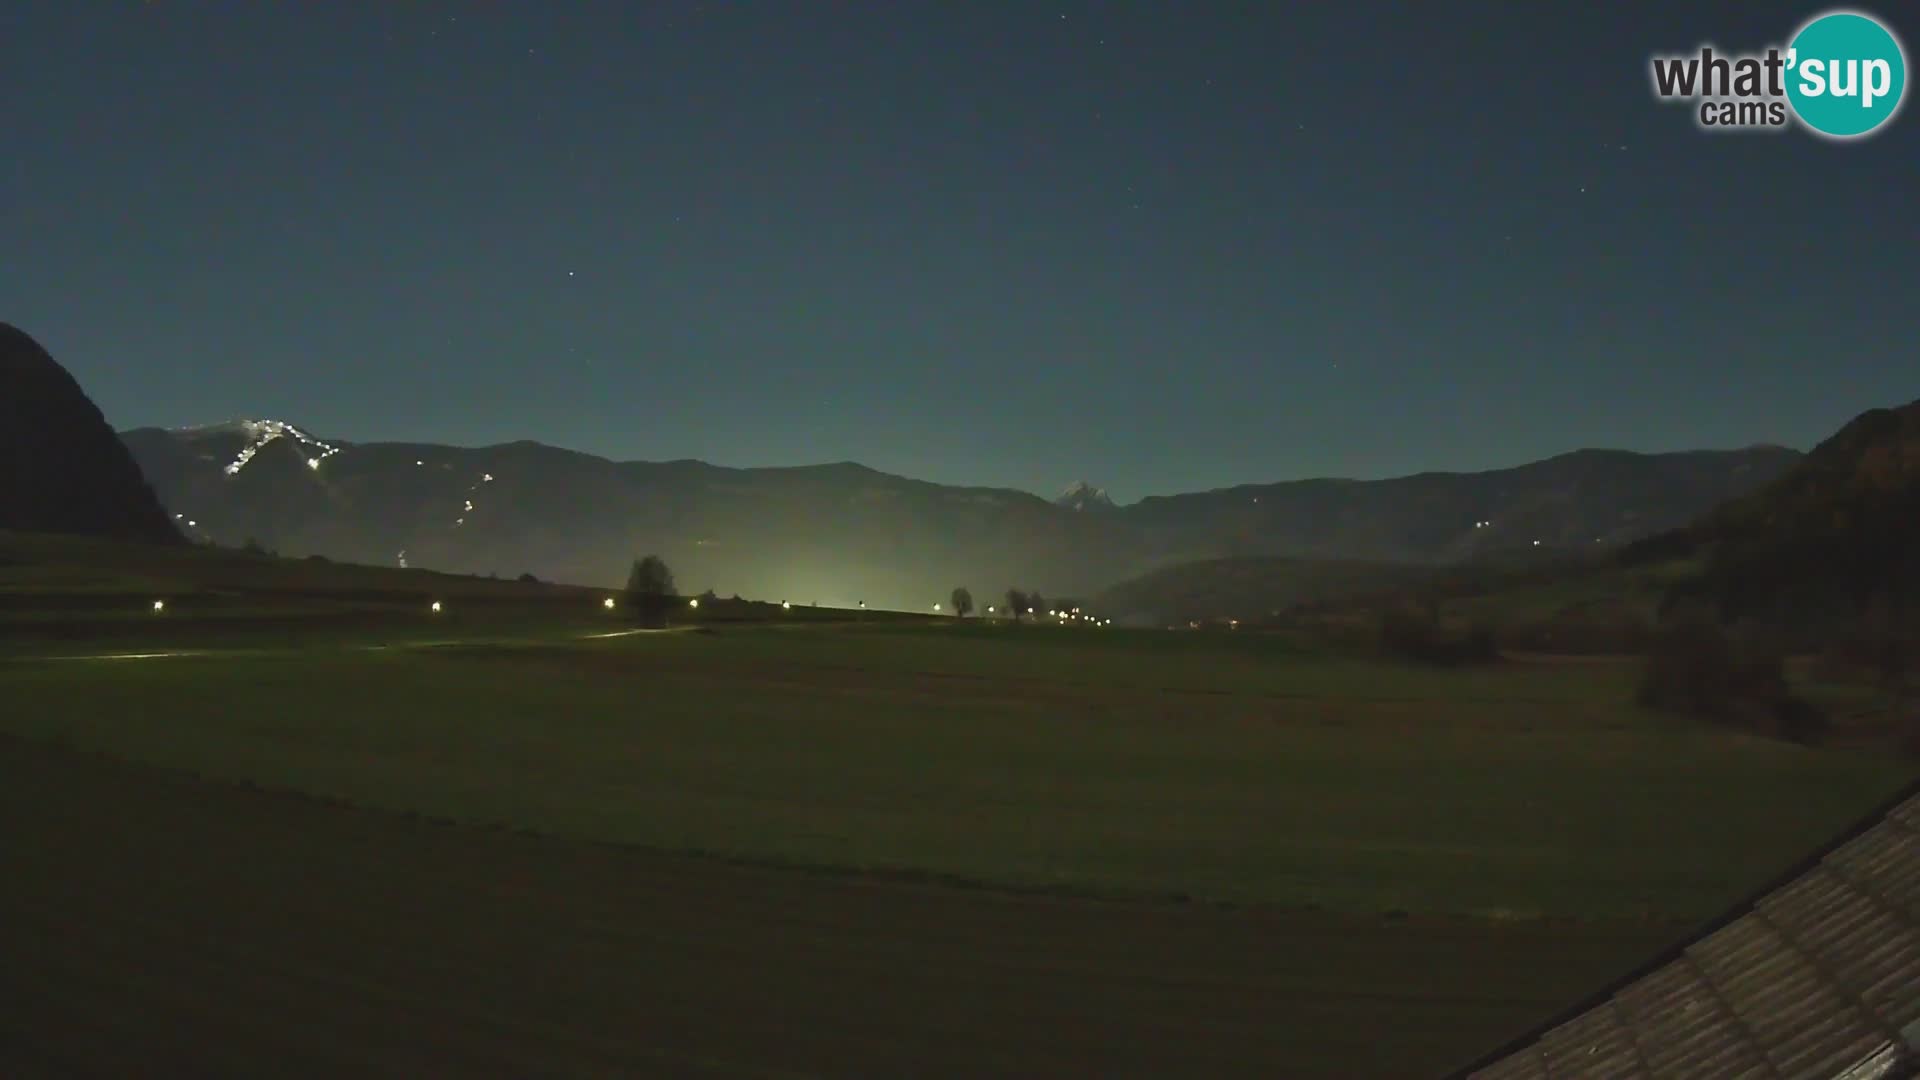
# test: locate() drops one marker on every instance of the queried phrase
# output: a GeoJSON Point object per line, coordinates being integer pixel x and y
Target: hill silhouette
{"type": "Point", "coordinates": [1834, 540]}
{"type": "Point", "coordinates": [62, 468]}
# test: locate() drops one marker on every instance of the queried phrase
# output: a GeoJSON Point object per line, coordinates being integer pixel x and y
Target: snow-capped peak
{"type": "Point", "coordinates": [1081, 495]}
{"type": "Point", "coordinates": [258, 433]}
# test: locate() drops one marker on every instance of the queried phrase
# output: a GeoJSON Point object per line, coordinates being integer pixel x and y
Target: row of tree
{"type": "Point", "coordinates": [1019, 604]}
{"type": "Point", "coordinates": [651, 593]}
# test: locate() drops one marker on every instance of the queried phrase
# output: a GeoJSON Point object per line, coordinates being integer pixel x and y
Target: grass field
{"type": "Point", "coordinates": [500, 842]}
{"type": "Point", "coordinates": [1094, 760]}
{"type": "Point", "coordinates": [153, 924]}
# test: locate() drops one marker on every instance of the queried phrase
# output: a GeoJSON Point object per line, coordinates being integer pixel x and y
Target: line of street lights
{"type": "Point", "coordinates": [437, 607]}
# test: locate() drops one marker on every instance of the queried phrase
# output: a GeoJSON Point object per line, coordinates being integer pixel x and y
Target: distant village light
{"type": "Point", "coordinates": [159, 606]}
{"type": "Point", "coordinates": [434, 607]}
{"type": "Point", "coordinates": [607, 603]}
{"type": "Point", "coordinates": [784, 606]}
{"type": "Point", "coordinates": [936, 607]}
{"type": "Point", "coordinates": [694, 603]}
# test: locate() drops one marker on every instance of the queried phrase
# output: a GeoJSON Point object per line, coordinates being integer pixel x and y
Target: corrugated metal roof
{"type": "Point", "coordinates": [1818, 975]}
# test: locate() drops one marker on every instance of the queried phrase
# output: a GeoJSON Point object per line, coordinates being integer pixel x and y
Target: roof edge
{"type": "Point", "coordinates": [1673, 952]}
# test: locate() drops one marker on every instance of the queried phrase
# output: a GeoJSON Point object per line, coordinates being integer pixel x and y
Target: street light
{"type": "Point", "coordinates": [607, 603]}
{"type": "Point", "coordinates": [784, 606]}
{"type": "Point", "coordinates": [694, 603]}
{"type": "Point", "coordinates": [936, 607]}
{"type": "Point", "coordinates": [159, 606]}
{"type": "Point", "coordinates": [435, 607]}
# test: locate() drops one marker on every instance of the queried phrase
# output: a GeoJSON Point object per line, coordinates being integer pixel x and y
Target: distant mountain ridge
{"type": "Point", "coordinates": [62, 470]}
{"type": "Point", "coordinates": [1825, 550]}
{"type": "Point", "coordinates": [1567, 501]}
{"type": "Point", "coordinates": [845, 533]}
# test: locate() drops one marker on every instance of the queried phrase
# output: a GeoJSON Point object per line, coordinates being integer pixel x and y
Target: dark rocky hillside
{"type": "Point", "coordinates": [1834, 540]}
{"type": "Point", "coordinates": [62, 469]}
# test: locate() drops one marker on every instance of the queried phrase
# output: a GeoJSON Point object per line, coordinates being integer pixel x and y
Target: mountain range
{"type": "Point", "coordinates": [844, 533]}
{"type": "Point", "coordinates": [1824, 539]}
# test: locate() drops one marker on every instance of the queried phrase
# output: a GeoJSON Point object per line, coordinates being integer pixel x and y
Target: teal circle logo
{"type": "Point", "coordinates": [1846, 74]}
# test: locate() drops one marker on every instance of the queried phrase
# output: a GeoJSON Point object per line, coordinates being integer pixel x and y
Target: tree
{"type": "Point", "coordinates": [962, 602]}
{"type": "Point", "coordinates": [1036, 603]}
{"type": "Point", "coordinates": [650, 589]}
{"type": "Point", "coordinates": [1017, 604]}
{"type": "Point", "coordinates": [650, 577]}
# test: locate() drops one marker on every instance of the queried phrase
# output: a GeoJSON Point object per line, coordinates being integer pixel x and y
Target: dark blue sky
{"type": "Point", "coordinates": [1162, 246]}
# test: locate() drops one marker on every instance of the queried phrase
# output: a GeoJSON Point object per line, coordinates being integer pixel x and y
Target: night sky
{"type": "Point", "coordinates": [1160, 246]}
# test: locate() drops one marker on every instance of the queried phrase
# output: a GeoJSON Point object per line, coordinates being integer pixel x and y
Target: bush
{"type": "Point", "coordinates": [1414, 631]}
{"type": "Point", "coordinates": [529, 579]}
{"type": "Point", "coordinates": [1696, 667]}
